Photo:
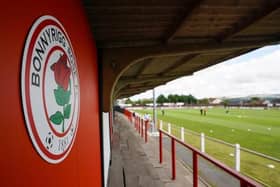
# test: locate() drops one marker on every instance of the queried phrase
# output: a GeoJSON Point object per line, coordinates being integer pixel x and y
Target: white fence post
{"type": "Point", "coordinates": [202, 142]}
{"type": "Point", "coordinates": [169, 128]}
{"type": "Point", "coordinates": [182, 134]}
{"type": "Point", "coordinates": [237, 157]}
{"type": "Point", "coordinates": [160, 124]}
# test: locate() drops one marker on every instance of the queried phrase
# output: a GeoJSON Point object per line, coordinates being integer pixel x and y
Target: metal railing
{"type": "Point", "coordinates": [244, 181]}
{"type": "Point", "coordinates": [260, 167]}
{"type": "Point", "coordinates": [141, 126]}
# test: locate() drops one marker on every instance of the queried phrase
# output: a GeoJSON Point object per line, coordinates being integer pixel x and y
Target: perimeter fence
{"type": "Point", "coordinates": [260, 167]}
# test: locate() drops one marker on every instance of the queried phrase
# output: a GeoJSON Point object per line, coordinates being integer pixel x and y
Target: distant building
{"type": "Point", "coordinates": [179, 104]}
{"type": "Point", "coordinates": [276, 102]}
{"type": "Point", "coordinates": [267, 103]}
{"type": "Point", "coordinates": [216, 101]}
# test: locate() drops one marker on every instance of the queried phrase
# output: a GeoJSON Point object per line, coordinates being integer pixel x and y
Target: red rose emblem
{"type": "Point", "coordinates": [61, 72]}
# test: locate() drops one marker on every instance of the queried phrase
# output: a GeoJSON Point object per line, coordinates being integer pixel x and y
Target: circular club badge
{"type": "Point", "coordinates": [50, 89]}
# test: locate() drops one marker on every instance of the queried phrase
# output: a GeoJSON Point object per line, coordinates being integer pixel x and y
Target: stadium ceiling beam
{"type": "Point", "coordinates": [132, 91]}
{"type": "Point", "coordinates": [138, 90]}
{"type": "Point", "coordinates": [121, 96]}
{"type": "Point", "coordinates": [129, 88]}
{"type": "Point", "coordinates": [226, 57]}
{"type": "Point", "coordinates": [180, 22]}
{"type": "Point", "coordinates": [157, 78]}
{"type": "Point", "coordinates": [144, 67]}
{"type": "Point", "coordinates": [127, 85]}
{"type": "Point", "coordinates": [120, 86]}
{"type": "Point", "coordinates": [127, 93]}
{"type": "Point", "coordinates": [122, 44]}
{"type": "Point", "coordinates": [178, 63]}
{"type": "Point", "coordinates": [179, 50]}
{"type": "Point", "coordinates": [236, 54]}
{"type": "Point", "coordinates": [126, 82]}
{"type": "Point", "coordinates": [131, 79]}
{"type": "Point", "coordinates": [175, 41]}
{"type": "Point", "coordinates": [245, 23]}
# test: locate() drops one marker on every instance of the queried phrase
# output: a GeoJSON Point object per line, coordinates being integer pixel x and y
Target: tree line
{"type": "Point", "coordinates": [187, 99]}
{"type": "Point", "coordinates": [171, 98]}
{"type": "Point", "coordinates": [190, 99]}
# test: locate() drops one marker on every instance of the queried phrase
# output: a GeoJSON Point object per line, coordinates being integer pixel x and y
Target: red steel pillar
{"type": "Point", "coordinates": [146, 130]}
{"type": "Point", "coordinates": [173, 160]}
{"type": "Point", "coordinates": [160, 147]}
{"type": "Point", "coordinates": [142, 124]}
{"type": "Point", "coordinates": [195, 170]}
{"type": "Point", "coordinates": [139, 124]}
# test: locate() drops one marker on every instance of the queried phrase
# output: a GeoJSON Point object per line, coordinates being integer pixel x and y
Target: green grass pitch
{"type": "Point", "coordinates": [254, 129]}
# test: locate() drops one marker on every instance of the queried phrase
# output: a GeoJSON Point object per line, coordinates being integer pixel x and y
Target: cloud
{"type": "Point", "coordinates": [257, 72]}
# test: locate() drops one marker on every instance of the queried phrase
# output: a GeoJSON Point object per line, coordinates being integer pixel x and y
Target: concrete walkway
{"type": "Point", "coordinates": [136, 164]}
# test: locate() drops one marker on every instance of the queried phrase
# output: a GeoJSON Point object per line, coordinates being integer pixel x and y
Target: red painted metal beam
{"type": "Point", "coordinates": [142, 127]}
{"type": "Point", "coordinates": [195, 170]}
{"type": "Point", "coordinates": [173, 158]}
{"type": "Point", "coordinates": [139, 124]}
{"type": "Point", "coordinates": [244, 181]}
{"type": "Point", "coordinates": [160, 147]}
{"type": "Point", "coordinates": [146, 131]}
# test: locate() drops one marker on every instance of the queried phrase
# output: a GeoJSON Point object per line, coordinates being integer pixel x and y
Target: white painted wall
{"type": "Point", "coordinates": [106, 146]}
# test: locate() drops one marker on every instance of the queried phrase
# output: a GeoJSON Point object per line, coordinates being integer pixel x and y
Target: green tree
{"type": "Point", "coordinates": [255, 101]}
{"type": "Point", "coordinates": [146, 101]}
{"type": "Point", "coordinates": [182, 98]}
{"type": "Point", "coordinates": [161, 99]}
{"type": "Point", "coordinates": [173, 98]}
{"type": "Point", "coordinates": [187, 99]}
{"type": "Point", "coordinates": [225, 102]}
{"type": "Point", "coordinates": [129, 101]}
{"type": "Point", "coordinates": [204, 101]}
{"type": "Point", "coordinates": [192, 99]}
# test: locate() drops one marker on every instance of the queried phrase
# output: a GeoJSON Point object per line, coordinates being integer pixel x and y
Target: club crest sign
{"type": "Point", "coordinates": [50, 89]}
